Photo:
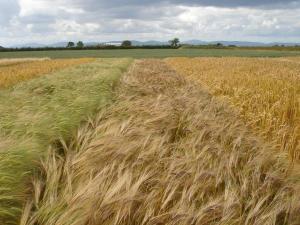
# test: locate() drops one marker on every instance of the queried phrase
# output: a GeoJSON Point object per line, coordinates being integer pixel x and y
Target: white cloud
{"type": "Point", "coordinates": [31, 7]}
{"type": "Point", "coordinates": [47, 7]}
{"type": "Point", "coordinates": [240, 23]}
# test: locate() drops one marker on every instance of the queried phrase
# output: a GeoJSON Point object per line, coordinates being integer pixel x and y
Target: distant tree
{"type": "Point", "coordinates": [174, 42]}
{"type": "Point", "coordinates": [79, 44]}
{"type": "Point", "coordinates": [70, 44]}
{"type": "Point", "coordinates": [126, 43]}
{"type": "Point", "coordinates": [219, 44]}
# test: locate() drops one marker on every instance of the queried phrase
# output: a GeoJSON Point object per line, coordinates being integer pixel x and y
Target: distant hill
{"type": "Point", "coordinates": [58, 44]}
{"type": "Point", "coordinates": [91, 43]}
{"type": "Point", "coordinates": [1, 47]}
{"type": "Point", "coordinates": [194, 42]}
{"type": "Point", "coordinates": [226, 43]}
{"type": "Point", "coordinates": [29, 45]}
{"type": "Point", "coordinates": [149, 43]}
{"type": "Point", "coordinates": [238, 43]}
{"type": "Point", "coordinates": [160, 43]}
{"type": "Point", "coordinates": [65, 43]}
{"type": "Point", "coordinates": [53, 45]}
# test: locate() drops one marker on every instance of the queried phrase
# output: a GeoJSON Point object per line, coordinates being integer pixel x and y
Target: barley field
{"type": "Point", "coordinates": [38, 112]}
{"type": "Point", "coordinates": [16, 70]}
{"type": "Point", "coordinates": [12, 61]}
{"type": "Point", "coordinates": [265, 91]}
{"type": "Point", "coordinates": [166, 152]}
{"type": "Point", "coordinates": [173, 141]}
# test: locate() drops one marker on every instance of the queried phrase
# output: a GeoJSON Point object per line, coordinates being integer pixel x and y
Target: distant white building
{"type": "Point", "coordinates": [113, 43]}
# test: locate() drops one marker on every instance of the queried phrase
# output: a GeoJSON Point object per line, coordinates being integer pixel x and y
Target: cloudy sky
{"type": "Point", "coordinates": [49, 21]}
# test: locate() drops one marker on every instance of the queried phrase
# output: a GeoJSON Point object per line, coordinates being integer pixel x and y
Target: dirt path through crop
{"type": "Point", "coordinates": [166, 152]}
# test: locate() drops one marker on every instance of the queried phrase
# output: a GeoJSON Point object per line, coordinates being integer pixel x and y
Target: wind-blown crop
{"type": "Point", "coordinates": [37, 113]}
{"type": "Point", "coordinates": [265, 91]}
{"type": "Point", "coordinates": [166, 152]}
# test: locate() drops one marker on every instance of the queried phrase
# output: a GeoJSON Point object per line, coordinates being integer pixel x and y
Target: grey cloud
{"type": "Point", "coordinates": [38, 19]}
{"type": "Point", "coordinates": [8, 9]}
{"type": "Point", "coordinates": [94, 4]}
{"type": "Point", "coordinates": [156, 9]}
{"type": "Point", "coordinates": [241, 3]}
{"type": "Point", "coordinates": [143, 13]}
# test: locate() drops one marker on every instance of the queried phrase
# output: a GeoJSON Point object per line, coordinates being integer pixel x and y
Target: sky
{"type": "Point", "coordinates": [51, 21]}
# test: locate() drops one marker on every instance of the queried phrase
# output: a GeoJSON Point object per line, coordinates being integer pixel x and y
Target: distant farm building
{"type": "Point", "coordinates": [113, 43]}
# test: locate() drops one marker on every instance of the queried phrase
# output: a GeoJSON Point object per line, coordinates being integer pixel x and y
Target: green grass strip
{"type": "Point", "coordinates": [36, 113]}
{"type": "Point", "coordinates": [150, 53]}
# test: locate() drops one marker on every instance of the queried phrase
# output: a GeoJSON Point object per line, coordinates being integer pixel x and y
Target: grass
{"type": "Point", "coordinates": [149, 53]}
{"type": "Point", "coordinates": [14, 71]}
{"type": "Point", "coordinates": [265, 91]}
{"type": "Point", "coordinates": [39, 112]}
{"type": "Point", "coordinates": [166, 152]}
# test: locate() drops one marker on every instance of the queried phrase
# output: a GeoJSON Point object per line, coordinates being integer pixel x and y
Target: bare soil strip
{"type": "Point", "coordinates": [166, 152]}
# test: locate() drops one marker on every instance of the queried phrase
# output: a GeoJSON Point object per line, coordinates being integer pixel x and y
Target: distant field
{"type": "Point", "coordinates": [149, 53]}
{"type": "Point", "coordinates": [14, 71]}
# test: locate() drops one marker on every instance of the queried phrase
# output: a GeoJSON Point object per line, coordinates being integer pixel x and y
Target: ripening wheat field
{"type": "Point", "coordinates": [176, 141]}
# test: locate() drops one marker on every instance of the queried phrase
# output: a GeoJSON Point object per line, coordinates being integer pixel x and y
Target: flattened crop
{"type": "Point", "coordinates": [166, 152]}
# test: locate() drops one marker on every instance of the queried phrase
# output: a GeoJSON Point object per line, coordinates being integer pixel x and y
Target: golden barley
{"type": "Point", "coordinates": [266, 92]}
{"type": "Point", "coordinates": [13, 61]}
{"type": "Point", "coordinates": [14, 71]}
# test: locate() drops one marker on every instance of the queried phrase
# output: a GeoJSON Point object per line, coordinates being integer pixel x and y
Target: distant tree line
{"type": "Point", "coordinates": [98, 47]}
{"type": "Point", "coordinates": [72, 44]}
{"type": "Point", "coordinates": [221, 46]}
{"type": "Point", "coordinates": [126, 44]}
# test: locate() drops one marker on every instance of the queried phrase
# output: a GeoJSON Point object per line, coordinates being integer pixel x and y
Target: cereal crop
{"type": "Point", "coordinates": [14, 71]}
{"type": "Point", "coordinates": [265, 91]}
